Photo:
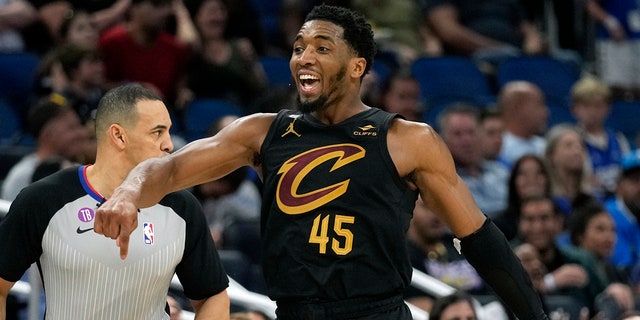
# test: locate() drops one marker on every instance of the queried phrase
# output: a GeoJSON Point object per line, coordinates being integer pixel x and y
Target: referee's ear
{"type": "Point", "coordinates": [117, 135]}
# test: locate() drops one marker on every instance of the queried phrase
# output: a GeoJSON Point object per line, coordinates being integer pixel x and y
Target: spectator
{"type": "Point", "coordinates": [76, 79]}
{"type": "Point", "coordinates": [616, 45]}
{"type": "Point", "coordinates": [532, 263]}
{"type": "Point", "coordinates": [528, 177]}
{"type": "Point", "coordinates": [486, 179]}
{"type": "Point", "coordinates": [432, 251]}
{"type": "Point", "coordinates": [83, 79]}
{"type": "Point", "coordinates": [230, 200]}
{"type": "Point", "coordinates": [103, 14]}
{"type": "Point", "coordinates": [492, 130]}
{"type": "Point", "coordinates": [224, 68]}
{"type": "Point", "coordinates": [486, 31]}
{"type": "Point", "coordinates": [401, 94]}
{"type": "Point", "coordinates": [58, 131]}
{"type": "Point", "coordinates": [592, 229]}
{"type": "Point", "coordinates": [525, 115]}
{"type": "Point", "coordinates": [458, 306]}
{"type": "Point", "coordinates": [14, 16]}
{"type": "Point", "coordinates": [591, 105]}
{"type": "Point", "coordinates": [227, 201]}
{"type": "Point", "coordinates": [245, 21]}
{"type": "Point", "coordinates": [77, 28]}
{"type": "Point", "coordinates": [566, 159]}
{"type": "Point", "coordinates": [399, 25]}
{"type": "Point", "coordinates": [371, 88]}
{"type": "Point", "coordinates": [625, 210]}
{"type": "Point", "coordinates": [97, 16]}
{"type": "Point", "coordinates": [142, 50]}
{"type": "Point", "coordinates": [571, 273]}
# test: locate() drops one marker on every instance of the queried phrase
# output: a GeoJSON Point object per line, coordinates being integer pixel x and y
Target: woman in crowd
{"type": "Point", "coordinates": [566, 158]}
{"type": "Point", "coordinates": [222, 67]}
{"type": "Point", "coordinates": [592, 229]}
{"type": "Point", "coordinates": [528, 177]}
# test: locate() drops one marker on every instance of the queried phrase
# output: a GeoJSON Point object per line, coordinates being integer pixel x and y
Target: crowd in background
{"type": "Point", "coordinates": [565, 193]}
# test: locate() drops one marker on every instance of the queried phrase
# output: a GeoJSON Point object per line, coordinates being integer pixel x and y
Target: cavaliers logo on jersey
{"type": "Point", "coordinates": [294, 170]}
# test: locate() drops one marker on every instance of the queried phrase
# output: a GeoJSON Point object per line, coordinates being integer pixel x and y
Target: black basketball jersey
{"type": "Point", "coordinates": [335, 211]}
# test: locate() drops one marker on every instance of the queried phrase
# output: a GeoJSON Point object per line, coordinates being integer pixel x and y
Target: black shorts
{"type": "Point", "coordinates": [349, 309]}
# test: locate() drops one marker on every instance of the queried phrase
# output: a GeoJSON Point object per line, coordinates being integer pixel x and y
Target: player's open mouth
{"type": "Point", "coordinates": [308, 83]}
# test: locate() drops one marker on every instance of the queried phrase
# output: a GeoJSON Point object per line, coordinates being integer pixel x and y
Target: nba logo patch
{"type": "Point", "coordinates": [147, 232]}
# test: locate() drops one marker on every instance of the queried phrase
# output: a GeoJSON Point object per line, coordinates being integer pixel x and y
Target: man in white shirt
{"type": "Point", "coordinates": [525, 117]}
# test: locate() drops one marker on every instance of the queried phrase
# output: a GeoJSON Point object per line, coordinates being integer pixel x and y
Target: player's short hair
{"type": "Point", "coordinates": [357, 31]}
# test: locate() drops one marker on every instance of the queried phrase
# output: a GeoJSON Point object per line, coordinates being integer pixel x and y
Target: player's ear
{"type": "Point", "coordinates": [358, 66]}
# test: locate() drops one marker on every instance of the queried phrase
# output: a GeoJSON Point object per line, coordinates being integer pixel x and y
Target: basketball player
{"type": "Point", "coordinates": [341, 179]}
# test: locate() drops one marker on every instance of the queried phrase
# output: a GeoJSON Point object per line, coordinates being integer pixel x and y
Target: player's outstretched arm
{"type": "Point", "coordinates": [422, 156]}
{"type": "Point", "coordinates": [215, 307]}
{"type": "Point", "coordinates": [198, 162]}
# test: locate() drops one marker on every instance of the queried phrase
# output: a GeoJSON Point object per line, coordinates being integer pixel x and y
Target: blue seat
{"type": "Point", "coordinates": [559, 113]}
{"type": "Point", "coordinates": [624, 118]}
{"type": "Point", "coordinates": [383, 70]}
{"type": "Point", "coordinates": [385, 63]}
{"type": "Point", "coordinates": [554, 77]}
{"type": "Point", "coordinates": [17, 77]}
{"type": "Point", "coordinates": [446, 80]}
{"type": "Point", "coordinates": [268, 13]}
{"type": "Point", "coordinates": [277, 70]}
{"type": "Point", "coordinates": [430, 115]}
{"type": "Point", "coordinates": [202, 113]}
{"type": "Point", "coordinates": [10, 128]}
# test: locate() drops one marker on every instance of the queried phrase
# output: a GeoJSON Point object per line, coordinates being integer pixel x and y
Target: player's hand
{"type": "Point", "coordinates": [116, 219]}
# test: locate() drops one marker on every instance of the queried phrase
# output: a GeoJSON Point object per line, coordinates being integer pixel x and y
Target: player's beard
{"type": "Point", "coordinates": [311, 106]}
